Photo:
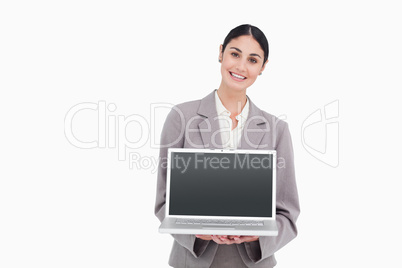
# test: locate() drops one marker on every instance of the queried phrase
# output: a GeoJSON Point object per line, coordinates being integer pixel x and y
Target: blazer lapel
{"type": "Point", "coordinates": [209, 127]}
{"type": "Point", "coordinates": [254, 130]}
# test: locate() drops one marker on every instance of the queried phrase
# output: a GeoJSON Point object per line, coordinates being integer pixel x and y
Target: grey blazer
{"type": "Point", "coordinates": [195, 124]}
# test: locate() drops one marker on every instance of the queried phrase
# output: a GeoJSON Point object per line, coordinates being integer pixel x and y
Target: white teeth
{"type": "Point", "coordinates": [237, 76]}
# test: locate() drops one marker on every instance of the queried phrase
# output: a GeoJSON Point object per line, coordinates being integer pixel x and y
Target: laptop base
{"type": "Point", "coordinates": [169, 226]}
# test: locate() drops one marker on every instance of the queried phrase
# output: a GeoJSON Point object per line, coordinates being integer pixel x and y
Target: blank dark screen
{"type": "Point", "coordinates": [221, 184]}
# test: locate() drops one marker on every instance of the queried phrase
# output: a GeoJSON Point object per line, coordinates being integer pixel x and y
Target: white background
{"type": "Point", "coordinates": [63, 206]}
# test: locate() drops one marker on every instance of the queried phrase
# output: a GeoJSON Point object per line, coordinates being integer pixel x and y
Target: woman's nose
{"type": "Point", "coordinates": [241, 66]}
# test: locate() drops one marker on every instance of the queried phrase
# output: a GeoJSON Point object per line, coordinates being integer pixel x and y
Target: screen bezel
{"type": "Point", "coordinates": [214, 151]}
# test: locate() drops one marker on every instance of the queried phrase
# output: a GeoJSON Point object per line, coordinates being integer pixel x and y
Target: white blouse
{"type": "Point", "coordinates": [230, 138]}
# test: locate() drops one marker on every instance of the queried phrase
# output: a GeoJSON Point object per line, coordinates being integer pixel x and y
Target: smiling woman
{"type": "Point", "coordinates": [241, 63]}
{"type": "Point", "coordinates": [228, 119]}
{"type": "Point", "coordinates": [245, 58]}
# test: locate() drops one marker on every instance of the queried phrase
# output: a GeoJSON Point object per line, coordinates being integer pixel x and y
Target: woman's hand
{"type": "Point", "coordinates": [204, 237]}
{"type": "Point", "coordinates": [228, 239]}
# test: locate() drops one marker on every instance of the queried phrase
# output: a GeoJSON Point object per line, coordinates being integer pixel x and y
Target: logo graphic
{"type": "Point", "coordinates": [111, 130]}
{"type": "Point", "coordinates": [320, 134]}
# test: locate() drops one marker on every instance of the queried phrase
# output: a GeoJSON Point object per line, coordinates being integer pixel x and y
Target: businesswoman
{"type": "Point", "coordinates": [227, 118]}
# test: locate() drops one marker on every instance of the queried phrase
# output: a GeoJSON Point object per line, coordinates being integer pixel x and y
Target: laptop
{"type": "Point", "coordinates": [220, 192]}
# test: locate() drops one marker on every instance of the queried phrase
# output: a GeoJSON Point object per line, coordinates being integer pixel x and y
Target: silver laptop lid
{"type": "Point", "coordinates": [206, 183]}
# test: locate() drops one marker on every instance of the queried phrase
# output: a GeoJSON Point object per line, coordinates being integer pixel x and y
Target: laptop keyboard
{"type": "Point", "coordinates": [220, 222]}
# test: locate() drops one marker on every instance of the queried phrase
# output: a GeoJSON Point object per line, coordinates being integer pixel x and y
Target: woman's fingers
{"type": "Point", "coordinates": [204, 237]}
{"type": "Point", "coordinates": [228, 239]}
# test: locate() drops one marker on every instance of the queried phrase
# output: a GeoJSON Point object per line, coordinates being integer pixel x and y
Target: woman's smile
{"type": "Point", "coordinates": [237, 77]}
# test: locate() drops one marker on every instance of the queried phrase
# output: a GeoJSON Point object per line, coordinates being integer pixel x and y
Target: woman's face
{"type": "Point", "coordinates": [242, 62]}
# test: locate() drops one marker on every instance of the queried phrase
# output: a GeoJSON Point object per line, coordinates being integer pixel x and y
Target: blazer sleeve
{"type": "Point", "coordinates": [172, 136]}
{"type": "Point", "coordinates": [287, 206]}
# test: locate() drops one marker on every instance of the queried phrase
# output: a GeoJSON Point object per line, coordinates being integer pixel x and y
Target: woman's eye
{"type": "Point", "coordinates": [234, 54]}
{"type": "Point", "coordinates": [253, 60]}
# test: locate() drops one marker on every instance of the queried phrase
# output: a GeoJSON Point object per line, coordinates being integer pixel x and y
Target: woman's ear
{"type": "Point", "coordinates": [220, 53]}
{"type": "Point", "coordinates": [263, 67]}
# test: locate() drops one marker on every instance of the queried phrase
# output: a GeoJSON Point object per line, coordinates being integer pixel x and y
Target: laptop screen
{"type": "Point", "coordinates": [221, 184]}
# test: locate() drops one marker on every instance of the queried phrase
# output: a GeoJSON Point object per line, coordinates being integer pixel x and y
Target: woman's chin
{"type": "Point", "coordinates": [237, 88]}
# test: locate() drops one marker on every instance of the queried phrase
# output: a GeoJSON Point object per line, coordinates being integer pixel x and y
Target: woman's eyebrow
{"type": "Point", "coordinates": [237, 49]}
{"type": "Point", "coordinates": [252, 54]}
